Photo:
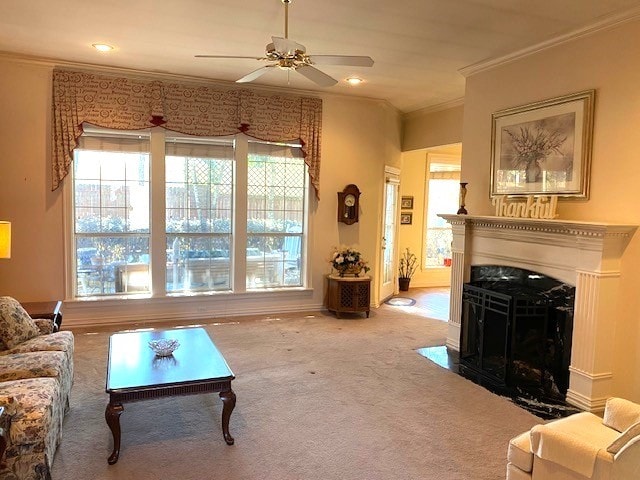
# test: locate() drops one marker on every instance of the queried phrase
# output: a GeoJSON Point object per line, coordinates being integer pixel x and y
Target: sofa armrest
{"type": "Point", "coordinates": [626, 463]}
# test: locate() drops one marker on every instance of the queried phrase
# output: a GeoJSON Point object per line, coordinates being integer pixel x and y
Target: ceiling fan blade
{"type": "Point", "coordinates": [316, 76]}
{"type": "Point", "coordinates": [228, 56]}
{"type": "Point", "coordinates": [255, 74]}
{"type": "Point", "coordinates": [347, 60]}
{"type": "Point", "coordinates": [286, 46]}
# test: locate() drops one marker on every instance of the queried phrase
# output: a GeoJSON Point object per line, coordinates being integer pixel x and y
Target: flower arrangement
{"type": "Point", "coordinates": [347, 260]}
{"type": "Point", "coordinates": [408, 264]}
{"type": "Point", "coordinates": [531, 149]}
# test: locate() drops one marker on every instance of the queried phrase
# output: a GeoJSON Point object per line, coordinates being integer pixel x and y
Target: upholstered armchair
{"type": "Point", "coordinates": [583, 446]}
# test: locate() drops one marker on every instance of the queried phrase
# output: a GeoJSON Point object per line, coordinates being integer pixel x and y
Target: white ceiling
{"type": "Point", "coordinates": [418, 45]}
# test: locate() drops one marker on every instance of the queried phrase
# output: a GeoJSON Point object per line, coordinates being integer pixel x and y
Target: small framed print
{"type": "Point", "coordinates": [406, 202]}
{"type": "Point", "coordinates": [406, 218]}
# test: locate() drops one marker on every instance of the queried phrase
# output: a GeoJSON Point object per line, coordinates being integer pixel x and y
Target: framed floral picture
{"type": "Point", "coordinates": [543, 148]}
{"type": "Point", "coordinates": [406, 218]}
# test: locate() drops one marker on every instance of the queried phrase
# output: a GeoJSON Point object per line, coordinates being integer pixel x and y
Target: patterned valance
{"type": "Point", "coordinates": [133, 104]}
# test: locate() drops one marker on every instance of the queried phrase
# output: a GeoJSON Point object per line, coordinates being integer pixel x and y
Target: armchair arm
{"type": "Point", "coordinates": [566, 449]}
{"type": "Point", "coordinates": [626, 463]}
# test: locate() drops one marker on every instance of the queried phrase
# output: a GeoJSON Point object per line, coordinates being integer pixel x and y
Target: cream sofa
{"type": "Point", "coordinates": [36, 374]}
{"type": "Point", "coordinates": [580, 447]}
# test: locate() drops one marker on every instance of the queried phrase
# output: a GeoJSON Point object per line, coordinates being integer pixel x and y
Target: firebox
{"type": "Point", "coordinates": [516, 331]}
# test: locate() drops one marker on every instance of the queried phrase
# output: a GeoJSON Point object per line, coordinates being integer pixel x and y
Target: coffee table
{"type": "Point", "coordinates": [135, 373]}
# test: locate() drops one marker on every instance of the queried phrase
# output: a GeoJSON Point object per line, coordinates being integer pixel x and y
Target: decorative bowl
{"type": "Point", "coordinates": [164, 347]}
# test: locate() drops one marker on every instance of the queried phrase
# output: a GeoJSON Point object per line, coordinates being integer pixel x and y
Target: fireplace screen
{"type": "Point", "coordinates": [516, 331]}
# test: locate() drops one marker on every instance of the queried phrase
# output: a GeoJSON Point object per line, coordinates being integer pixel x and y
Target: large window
{"type": "Point", "coordinates": [199, 199]}
{"type": "Point", "coordinates": [275, 215]}
{"type": "Point", "coordinates": [111, 212]}
{"type": "Point", "coordinates": [220, 197]}
{"type": "Point", "coordinates": [444, 190]}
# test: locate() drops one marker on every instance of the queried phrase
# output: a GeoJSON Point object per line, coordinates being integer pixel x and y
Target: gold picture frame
{"type": "Point", "coordinates": [543, 148]}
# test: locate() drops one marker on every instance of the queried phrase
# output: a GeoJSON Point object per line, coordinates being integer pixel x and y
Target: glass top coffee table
{"type": "Point", "coordinates": [135, 373]}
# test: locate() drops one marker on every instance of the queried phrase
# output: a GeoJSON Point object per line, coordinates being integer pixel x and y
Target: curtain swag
{"type": "Point", "coordinates": [133, 104]}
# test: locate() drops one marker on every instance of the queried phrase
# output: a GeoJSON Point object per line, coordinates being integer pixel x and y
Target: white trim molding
{"type": "Point", "coordinates": [606, 23]}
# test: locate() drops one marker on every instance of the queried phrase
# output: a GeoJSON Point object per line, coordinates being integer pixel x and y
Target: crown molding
{"type": "Point", "coordinates": [591, 29]}
{"type": "Point", "coordinates": [457, 102]}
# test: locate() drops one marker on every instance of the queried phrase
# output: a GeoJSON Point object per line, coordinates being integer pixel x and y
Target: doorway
{"type": "Point", "coordinates": [389, 254]}
{"type": "Point", "coordinates": [430, 178]}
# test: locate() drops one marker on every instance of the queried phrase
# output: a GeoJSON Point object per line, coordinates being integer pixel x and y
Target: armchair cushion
{"type": "Point", "coordinates": [620, 414]}
{"type": "Point", "coordinates": [631, 432]}
{"type": "Point", "coordinates": [16, 326]}
{"type": "Point", "coordinates": [58, 341]}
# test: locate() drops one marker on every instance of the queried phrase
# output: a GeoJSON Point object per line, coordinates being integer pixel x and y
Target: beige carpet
{"type": "Point", "coordinates": [317, 398]}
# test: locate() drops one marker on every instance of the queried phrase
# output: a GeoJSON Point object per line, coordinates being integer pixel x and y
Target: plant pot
{"type": "Point", "coordinates": [404, 284]}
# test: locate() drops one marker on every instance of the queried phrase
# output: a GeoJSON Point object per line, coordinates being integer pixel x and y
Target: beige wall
{"type": "Point", "coordinates": [360, 136]}
{"type": "Point", "coordinates": [609, 62]}
{"type": "Point", "coordinates": [427, 128]}
{"type": "Point", "coordinates": [35, 270]}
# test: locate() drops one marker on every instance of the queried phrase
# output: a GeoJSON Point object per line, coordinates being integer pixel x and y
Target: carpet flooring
{"type": "Point", "coordinates": [317, 398]}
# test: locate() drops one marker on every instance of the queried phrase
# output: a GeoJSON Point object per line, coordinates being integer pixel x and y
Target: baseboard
{"type": "Point", "coordinates": [185, 309]}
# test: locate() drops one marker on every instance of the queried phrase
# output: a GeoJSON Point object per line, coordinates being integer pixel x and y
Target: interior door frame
{"type": "Point", "coordinates": [391, 176]}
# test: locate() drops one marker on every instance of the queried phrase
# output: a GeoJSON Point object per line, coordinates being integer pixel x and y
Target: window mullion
{"type": "Point", "coordinates": [158, 218]}
{"type": "Point", "coordinates": [239, 235]}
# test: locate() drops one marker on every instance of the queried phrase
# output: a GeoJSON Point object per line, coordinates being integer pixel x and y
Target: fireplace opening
{"type": "Point", "coordinates": [516, 331]}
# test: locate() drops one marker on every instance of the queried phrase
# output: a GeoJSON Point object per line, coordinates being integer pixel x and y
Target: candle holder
{"type": "Point", "coordinates": [463, 194]}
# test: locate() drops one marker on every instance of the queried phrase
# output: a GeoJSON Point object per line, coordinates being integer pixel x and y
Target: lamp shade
{"type": "Point", "coordinates": [5, 239]}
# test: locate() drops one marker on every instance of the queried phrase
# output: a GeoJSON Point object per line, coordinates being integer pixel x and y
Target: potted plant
{"type": "Point", "coordinates": [408, 266]}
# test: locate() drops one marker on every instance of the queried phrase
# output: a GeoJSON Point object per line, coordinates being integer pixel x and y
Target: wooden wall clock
{"type": "Point", "coordinates": [349, 204]}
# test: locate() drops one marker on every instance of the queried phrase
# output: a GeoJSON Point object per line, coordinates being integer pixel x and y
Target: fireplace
{"type": "Point", "coordinates": [516, 331]}
{"type": "Point", "coordinates": [585, 255]}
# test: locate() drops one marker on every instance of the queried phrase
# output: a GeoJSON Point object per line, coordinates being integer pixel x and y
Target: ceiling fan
{"type": "Point", "coordinates": [291, 56]}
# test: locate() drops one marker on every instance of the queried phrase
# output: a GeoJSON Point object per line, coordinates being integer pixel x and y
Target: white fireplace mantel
{"type": "Point", "coordinates": [587, 255]}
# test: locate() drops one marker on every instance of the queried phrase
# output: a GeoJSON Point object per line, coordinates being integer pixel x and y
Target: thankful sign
{"type": "Point", "coordinates": [533, 207]}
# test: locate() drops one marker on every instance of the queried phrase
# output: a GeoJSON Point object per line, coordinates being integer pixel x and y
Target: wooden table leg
{"type": "Point", "coordinates": [112, 416]}
{"type": "Point", "coordinates": [229, 403]}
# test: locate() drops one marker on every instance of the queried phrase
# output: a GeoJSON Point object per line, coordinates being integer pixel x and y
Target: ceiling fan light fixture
{"type": "Point", "coordinates": [287, 54]}
{"type": "Point", "coordinates": [102, 47]}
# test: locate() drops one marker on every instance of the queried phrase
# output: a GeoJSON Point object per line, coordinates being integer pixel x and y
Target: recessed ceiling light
{"type": "Point", "coordinates": [354, 80]}
{"type": "Point", "coordinates": [102, 47]}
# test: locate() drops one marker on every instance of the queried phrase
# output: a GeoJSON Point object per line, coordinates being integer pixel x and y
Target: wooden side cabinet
{"type": "Point", "coordinates": [348, 294]}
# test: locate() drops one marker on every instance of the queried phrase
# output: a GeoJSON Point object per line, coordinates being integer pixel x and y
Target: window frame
{"type": "Point", "coordinates": [158, 235]}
